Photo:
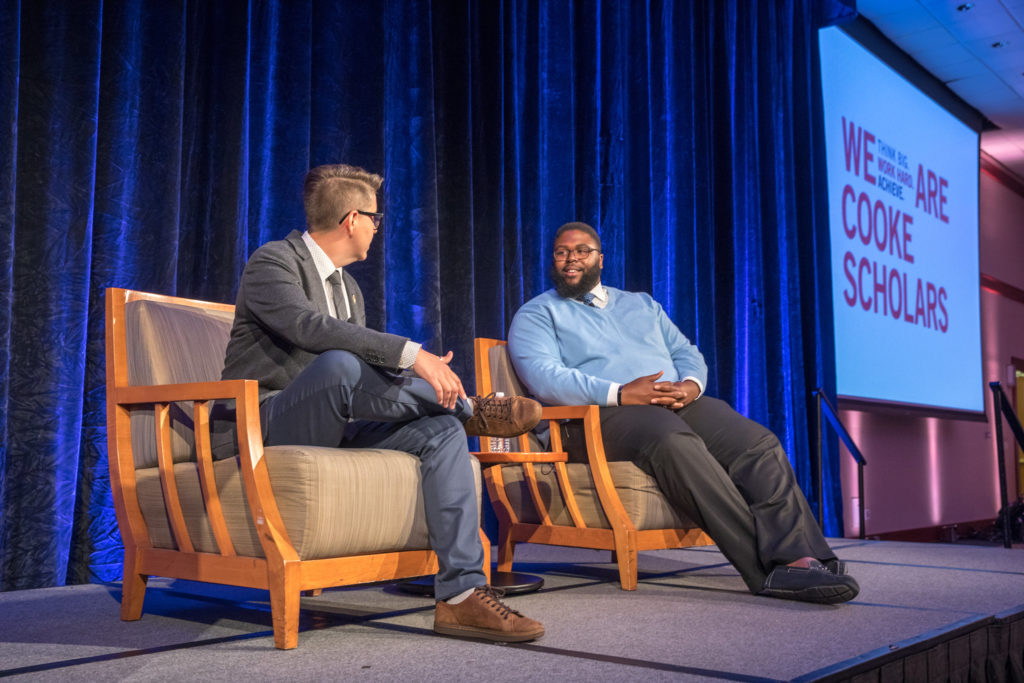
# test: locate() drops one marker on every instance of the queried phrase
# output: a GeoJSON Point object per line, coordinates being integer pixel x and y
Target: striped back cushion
{"type": "Point", "coordinates": [503, 375]}
{"type": "Point", "coordinates": [505, 380]}
{"type": "Point", "coordinates": [171, 344]}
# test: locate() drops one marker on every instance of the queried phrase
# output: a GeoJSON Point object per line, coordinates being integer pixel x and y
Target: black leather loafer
{"type": "Point", "coordinates": [837, 567]}
{"type": "Point", "coordinates": [813, 584]}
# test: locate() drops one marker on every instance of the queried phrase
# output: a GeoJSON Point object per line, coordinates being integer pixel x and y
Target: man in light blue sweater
{"type": "Point", "coordinates": [583, 343]}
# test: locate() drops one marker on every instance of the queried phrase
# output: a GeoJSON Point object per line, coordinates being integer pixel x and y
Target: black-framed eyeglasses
{"type": "Point", "coordinates": [581, 252]}
{"type": "Point", "coordinates": [375, 216]}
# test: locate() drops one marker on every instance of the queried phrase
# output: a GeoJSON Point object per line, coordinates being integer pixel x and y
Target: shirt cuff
{"type": "Point", "coordinates": [409, 354]}
{"type": "Point", "coordinates": [700, 385]}
{"type": "Point", "coordinates": [613, 395]}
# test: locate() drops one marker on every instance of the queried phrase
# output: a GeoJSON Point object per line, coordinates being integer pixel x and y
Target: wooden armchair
{"type": "Point", "coordinates": [285, 518]}
{"type": "Point", "coordinates": [545, 499]}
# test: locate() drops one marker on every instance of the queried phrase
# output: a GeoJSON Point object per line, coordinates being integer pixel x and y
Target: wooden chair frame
{"type": "Point", "coordinates": [281, 571]}
{"type": "Point", "coordinates": [623, 538]}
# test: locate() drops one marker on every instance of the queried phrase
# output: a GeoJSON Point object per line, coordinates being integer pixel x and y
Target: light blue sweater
{"type": "Point", "coordinates": [568, 353]}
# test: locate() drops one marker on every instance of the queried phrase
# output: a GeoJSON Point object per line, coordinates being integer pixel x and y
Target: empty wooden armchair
{"type": "Point", "coordinates": [543, 498]}
{"type": "Point", "coordinates": [285, 518]}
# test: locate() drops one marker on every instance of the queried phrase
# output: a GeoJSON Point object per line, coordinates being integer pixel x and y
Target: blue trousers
{"type": "Point", "coordinates": [340, 400]}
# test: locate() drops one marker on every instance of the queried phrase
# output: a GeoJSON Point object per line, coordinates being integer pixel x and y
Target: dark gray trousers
{"type": "Point", "coordinates": [727, 473]}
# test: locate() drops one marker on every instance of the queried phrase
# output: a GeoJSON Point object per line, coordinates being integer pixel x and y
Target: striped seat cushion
{"type": "Point", "coordinates": [644, 502]}
{"type": "Point", "coordinates": [334, 502]}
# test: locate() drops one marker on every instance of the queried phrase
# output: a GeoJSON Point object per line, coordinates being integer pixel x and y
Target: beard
{"type": "Point", "coordinates": [589, 277]}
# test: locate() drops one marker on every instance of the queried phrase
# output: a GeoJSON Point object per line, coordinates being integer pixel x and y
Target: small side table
{"type": "Point", "coordinates": [513, 583]}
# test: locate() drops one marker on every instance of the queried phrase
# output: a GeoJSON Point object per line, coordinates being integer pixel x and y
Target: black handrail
{"type": "Point", "coordinates": [837, 425]}
{"type": "Point", "coordinates": [1001, 404]}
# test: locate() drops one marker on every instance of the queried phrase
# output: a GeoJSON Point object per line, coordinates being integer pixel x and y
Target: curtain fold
{"type": "Point", "coordinates": [10, 48]}
{"type": "Point", "coordinates": [156, 145]}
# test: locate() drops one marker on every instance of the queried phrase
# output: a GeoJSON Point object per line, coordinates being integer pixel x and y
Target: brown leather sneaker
{"type": "Point", "coordinates": [484, 615]}
{"type": "Point", "coordinates": [502, 416]}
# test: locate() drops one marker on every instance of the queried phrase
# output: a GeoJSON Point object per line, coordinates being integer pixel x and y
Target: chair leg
{"type": "Point", "coordinates": [486, 543]}
{"type": "Point", "coordinates": [133, 589]}
{"type": "Point", "coordinates": [284, 604]}
{"type": "Point", "coordinates": [506, 548]}
{"type": "Point", "coordinates": [625, 553]}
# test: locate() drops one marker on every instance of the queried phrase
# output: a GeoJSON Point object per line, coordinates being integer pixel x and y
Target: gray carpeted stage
{"type": "Point", "coordinates": [925, 612]}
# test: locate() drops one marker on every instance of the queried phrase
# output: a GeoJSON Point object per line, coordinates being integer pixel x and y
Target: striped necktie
{"type": "Point", "coordinates": [587, 298]}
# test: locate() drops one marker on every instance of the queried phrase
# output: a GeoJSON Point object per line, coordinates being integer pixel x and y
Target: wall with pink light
{"type": "Point", "coordinates": [930, 472]}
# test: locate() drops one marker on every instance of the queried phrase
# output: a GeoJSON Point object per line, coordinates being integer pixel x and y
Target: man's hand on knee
{"type": "Point", "coordinates": [675, 395]}
{"type": "Point", "coordinates": [435, 370]}
{"type": "Point", "coordinates": [647, 391]}
{"type": "Point", "coordinates": [640, 392]}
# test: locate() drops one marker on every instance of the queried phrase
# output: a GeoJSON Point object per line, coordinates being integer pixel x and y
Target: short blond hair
{"type": "Point", "coordinates": [331, 191]}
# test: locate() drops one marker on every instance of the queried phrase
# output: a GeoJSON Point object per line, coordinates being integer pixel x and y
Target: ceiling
{"type": "Point", "coordinates": [975, 47]}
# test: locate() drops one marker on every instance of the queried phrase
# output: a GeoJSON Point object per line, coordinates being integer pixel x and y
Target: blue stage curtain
{"type": "Point", "coordinates": [154, 145]}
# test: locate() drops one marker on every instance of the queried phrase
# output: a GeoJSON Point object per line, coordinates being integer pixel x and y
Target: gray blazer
{"type": "Point", "coordinates": [282, 322]}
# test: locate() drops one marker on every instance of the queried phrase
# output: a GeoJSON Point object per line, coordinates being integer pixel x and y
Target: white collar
{"type": "Point", "coordinates": [324, 266]}
{"type": "Point", "coordinates": [600, 293]}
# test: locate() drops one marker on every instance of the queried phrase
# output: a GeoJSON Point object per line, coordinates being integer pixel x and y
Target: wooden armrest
{"type": "Point", "coordinates": [245, 393]}
{"type": "Point", "coordinates": [193, 391]}
{"type": "Point", "coordinates": [565, 412]}
{"type": "Point", "coordinates": [514, 457]}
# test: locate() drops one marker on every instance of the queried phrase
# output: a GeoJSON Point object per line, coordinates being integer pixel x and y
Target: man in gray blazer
{"type": "Point", "coordinates": [327, 380]}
